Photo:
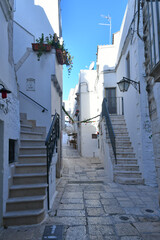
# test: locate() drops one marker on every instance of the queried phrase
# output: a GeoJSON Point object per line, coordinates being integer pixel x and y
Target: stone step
{"type": "Point", "coordinates": [122, 139]}
{"type": "Point", "coordinates": [118, 122]}
{"type": "Point", "coordinates": [36, 129]}
{"type": "Point", "coordinates": [126, 161]}
{"type": "Point", "coordinates": [123, 143]}
{"type": "Point", "coordinates": [28, 122]}
{"type": "Point", "coordinates": [37, 158]}
{"type": "Point", "coordinates": [127, 167]}
{"type": "Point", "coordinates": [25, 203]}
{"type": "Point", "coordinates": [32, 142]}
{"type": "Point", "coordinates": [32, 150]}
{"type": "Point", "coordinates": [31, 168]}
{"type": "Point", "coordinates": [124, 149]}
{"type": "Point", "coordinates": [19, 179]}
{"type": "Point", "coordinates": [27, 190]}
{"type": "Point", "coordinates": [26, 127]}
{"type": "Point", "coordinates": [31, 135]}
{"type": "Point", "coordinates": [117, 117]}
{"type": "Point", "coordinates": [118, 130]}
{"type": "Point", "coordinates": [121, 134]}
{"type": "Point", "coordinates": [128, 174]}
{"type": "Point", "coordinates": [129, 181]}
{"type": "Point", "coordinates": [118, 125]}
{"type": "Point", "coordinates": [125, 155]}
{"type": "Point", "coordinates": [27, 217]}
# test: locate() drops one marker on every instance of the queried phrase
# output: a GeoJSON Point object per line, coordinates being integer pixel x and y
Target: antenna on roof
{"type": "Point", "coordinates": [107, 24]}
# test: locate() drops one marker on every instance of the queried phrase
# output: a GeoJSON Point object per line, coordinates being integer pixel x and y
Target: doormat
{"type": "Point", "coordinates": [53, 232]}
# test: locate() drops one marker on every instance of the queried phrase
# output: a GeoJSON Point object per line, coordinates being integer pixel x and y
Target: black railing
{"type": "Point", "coordinates": [115, 105]}
{"type": "Point", "coordinates": [105, 114]}
{"type": "Point", "coordinates": [51, 143]}
{"type": "Point", "coordinates": [43, 108]}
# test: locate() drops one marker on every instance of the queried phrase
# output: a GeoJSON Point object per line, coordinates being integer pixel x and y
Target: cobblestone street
{"type": "Point", "coordinates": [90, 208]}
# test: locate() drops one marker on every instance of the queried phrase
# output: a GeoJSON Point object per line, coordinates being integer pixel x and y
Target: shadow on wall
{"type": "Point", "coordinates": [36, 21]}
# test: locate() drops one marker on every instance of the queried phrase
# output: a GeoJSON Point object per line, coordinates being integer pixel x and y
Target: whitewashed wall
{"type": "Point", "coordinates": [9, 114]}
{"type": "Point", "coordinates": [27, 66]}
{"type": "Point", "coordinates": [88, 109]}
{"type": "Point", "coordinates": [43, 16]}
{"type": "Point", "coordinates": [135, 104]}
{"type": "Point", "coordinates": [104, 154]}
{"type": "Point", "coordinates": [111, 69]}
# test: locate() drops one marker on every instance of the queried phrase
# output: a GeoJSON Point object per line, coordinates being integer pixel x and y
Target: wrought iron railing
{"type": "Point", "coordinates": [105, 114]}
{"type": "Point", "coordinates": [51, 144]}
{"type": "Point", "coordinates": [43, 108]}
{"type": "Point", "coordinates": [115, 105]}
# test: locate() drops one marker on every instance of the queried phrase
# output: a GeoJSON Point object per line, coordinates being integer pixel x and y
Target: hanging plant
{"type": "Point", "coordinates": [52, 41]}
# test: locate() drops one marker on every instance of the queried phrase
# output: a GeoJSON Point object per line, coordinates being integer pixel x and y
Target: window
{"type": "Point", "coordinates": [94, 136]}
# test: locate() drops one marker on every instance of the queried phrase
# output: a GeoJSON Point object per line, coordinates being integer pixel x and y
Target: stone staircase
{"type": "Point", "coordinates": [126, 171]}
{"type": "Point", "coordinates": [27, 196]}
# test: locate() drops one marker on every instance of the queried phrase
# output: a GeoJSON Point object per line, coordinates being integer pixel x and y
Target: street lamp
{"type": "Point", "coordinates": [4, 91]}
{"type": "Point", "coordinates": [125, 83]}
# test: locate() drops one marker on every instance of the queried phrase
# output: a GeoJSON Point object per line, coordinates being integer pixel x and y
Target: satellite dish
{"type": "Point", "coordinates": [91, 67]}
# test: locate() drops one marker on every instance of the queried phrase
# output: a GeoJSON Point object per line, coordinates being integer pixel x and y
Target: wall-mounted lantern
{"type": "Point", "coordinates": [4, 91]}
{"type": "Point", "coordinates": [125, 83]}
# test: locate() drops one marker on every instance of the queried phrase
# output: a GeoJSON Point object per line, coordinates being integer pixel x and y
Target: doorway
{"type": "Point", "coordinates": [110, 94]}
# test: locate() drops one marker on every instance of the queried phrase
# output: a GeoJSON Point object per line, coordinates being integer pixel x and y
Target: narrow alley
{"type": "Point", "coordinates": [87, 207]}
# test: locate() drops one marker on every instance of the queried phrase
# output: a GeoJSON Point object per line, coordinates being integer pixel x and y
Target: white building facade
{"type": "Point", "coordinates": [9, 107]}
{"type": "Point", "coordinates": [151, 38]}
{"type": "Point", "coordinates": [124, 58]}
{"type": "Point", "coordinates": [36, 86]}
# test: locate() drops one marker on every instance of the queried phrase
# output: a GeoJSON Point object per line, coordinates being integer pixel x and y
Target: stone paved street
{"type": "Point", "coordinates": [90, 209]}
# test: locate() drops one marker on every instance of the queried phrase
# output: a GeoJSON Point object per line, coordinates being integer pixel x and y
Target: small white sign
{"type": "Point", "coordinates": [30, 84]}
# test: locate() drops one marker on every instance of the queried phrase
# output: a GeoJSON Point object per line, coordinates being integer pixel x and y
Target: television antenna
{"type": "Point", "coordinates": [107, 24]}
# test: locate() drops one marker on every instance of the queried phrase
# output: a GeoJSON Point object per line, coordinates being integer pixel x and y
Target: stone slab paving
{"type": "Point", "coordinates": [90, 208]}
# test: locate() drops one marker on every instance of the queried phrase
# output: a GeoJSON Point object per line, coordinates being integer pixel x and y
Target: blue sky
{"type": "Point", "coordinates": [82, 33]}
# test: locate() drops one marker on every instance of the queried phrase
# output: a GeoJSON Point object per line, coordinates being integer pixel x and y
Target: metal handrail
{"type": "Point", "coordinates": [43, 110]}
{"type": "Point", "coordinates": [51, 143]}
{"type": "Point", "coordinates": [105, 114]}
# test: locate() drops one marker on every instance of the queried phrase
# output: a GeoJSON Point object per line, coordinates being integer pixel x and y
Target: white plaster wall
{"type": "Point", "coordinates": [22, 41]}
{"type": "Point", "coordinates": [106, 62]}
{"type": "Point", "coordinates": [41, 71]}
{"type": "Point", "coordinates": [88, 109]}
{"type": "Point", "coordinates": [51, 9]}
{"type": "Point", "coordinates": [111, 69]}
{"type": "Point", "coordinates": [104, 154]}
{"type": "Point", "coordinates": [36, 15]}
{"type": "Point", "coordinates": [135, 104]}
{"type": "Point", "coordinates": [52, 182]}
{"type": "Point", "coordinates": [10, 121]}
{"type": "Point", "coordinates": [26, 28]}
{"type": "Point", "coordinates": [106, 57]}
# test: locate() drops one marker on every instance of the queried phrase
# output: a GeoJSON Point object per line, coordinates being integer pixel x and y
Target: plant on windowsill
{"type": "Point", "coordinates": [45, 45]}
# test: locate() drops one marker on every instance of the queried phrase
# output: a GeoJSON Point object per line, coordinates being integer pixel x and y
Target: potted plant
{"type": "Point", "coordinates": [40, 46]}
{"type": "Point", "coordinates": [52, 41]}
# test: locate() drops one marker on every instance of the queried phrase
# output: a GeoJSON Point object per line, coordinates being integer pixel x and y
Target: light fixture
{"type": "Point", "coordinates": [4, 91]}
{"type": "Point", "coordinates": [125, 83]}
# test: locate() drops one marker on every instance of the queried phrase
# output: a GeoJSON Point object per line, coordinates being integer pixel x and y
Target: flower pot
{"type": "Point", "coordinates": [41, 47]}
{"type": "Point", "coordinates": [59, 55]}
